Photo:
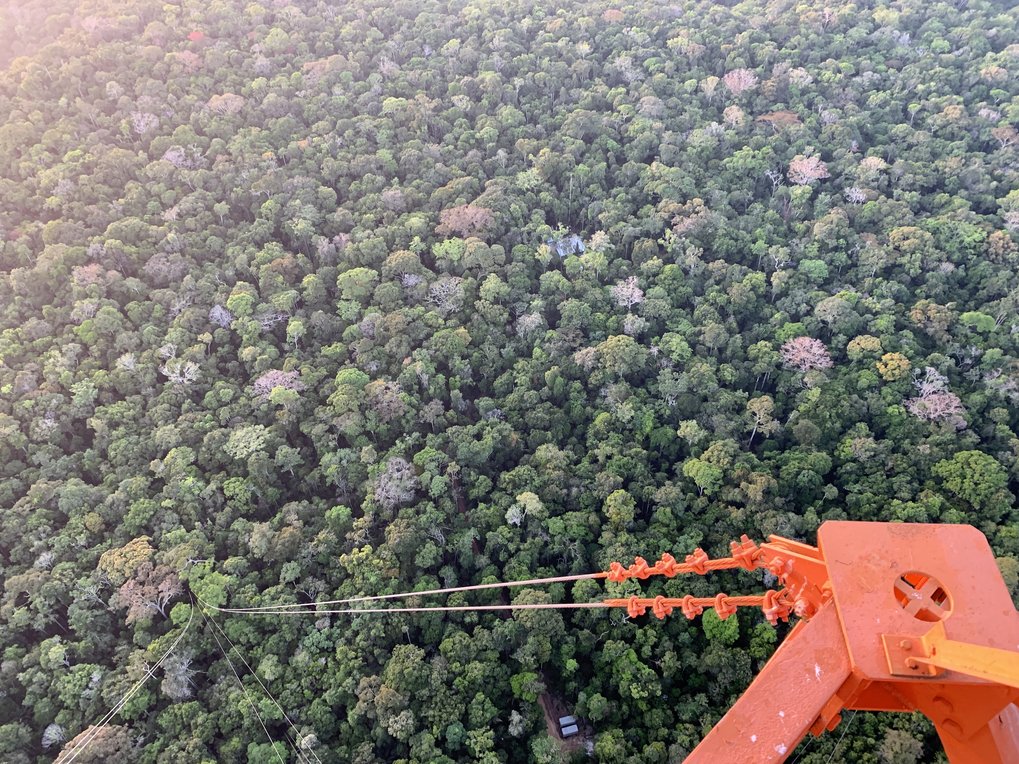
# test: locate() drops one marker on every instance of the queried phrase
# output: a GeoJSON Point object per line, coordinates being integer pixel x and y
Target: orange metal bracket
{"type": "Point", "coordinates": [934, 653]}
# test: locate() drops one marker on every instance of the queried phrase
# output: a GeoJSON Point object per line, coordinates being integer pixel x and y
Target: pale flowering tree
{"type": "Point", "coordinates": [739, 81]}
{"type": "Point", "coordinates": [733, 116]}
{"type": "Point", "coordinates": [805, 171]}
{"type": "Point", "coordinates": [84, 310]}
{"type": "Point", "coordinates": [465, 220]}
{"type": "Point", "coordinates": [97, 744]}
{"type": "Point", "coordinates": [190, 60]}
{"type": "Point", "coordinates": [1011, 218]}
{"type": "Point", "coordinates": [713, 130]}
{"type": "Point", "coordinates": [600, 242]}
{"type": "Point", "coordinates": [88, 275]}
{"type": "Point", "coordinates": [709, 85]}
{"type": "Point", "coordinates": [529, 322]}
{"type": "Point", "coordinates": [127, 362]}
{"type": "Point", "coordinates": [994, 73]}
{"type": "Point", "coordinates": [1005, 136]}
{"type": "Point", "coordinates": [143, 122]}
{"type": "Point", "coordinates": [220, 316]}
{"type": "Point", "coordinates": [934, 402]}
{"type": "Point", "coordinates": [270, 380]}
{"type": "Point", "coordinates": [150, 591]}
{"type": "Point", "coordinates": [227, 103]}
{"type": "Point", "coordinates": [800, 77]}
{"type": "Point", "coordinates": [855, 195]}
{"type": "Point", "coordinates": [447, 294]}
{"type": "Point", "coordinates": [53, 735]}
{"type": "Point", "coordinates": [870, 169]}
{"type": "Point", "coordinates": [515, 515]}
{"type": "Point", "coordinates": [528, 504]}
{"type": "Point", "coordinates": [177, 677]}
{"type": "Point", "coordinates": [931, 383]}
{"type": "Point", "coordinates": [269, 319]}
{"type": "Point", "coordinates": [627, 69]}
{"type": "Point", "coordinates": [634, 325]}
{"type": "Point", "coordinates": [114, 90]}
{"type": "Point", "coordinates": [690, 217]}
{"type": "Point", "coordinates": [396, 483]}
{"type": "Point", "coordinates": [180, 303]}
{"type": "Point", "coordinates": [410, 280]}
{"type": "Point", "coordinates": [938, 407]}
{"type": "Point", "coordinates": [1008, 208]}
{"type": "Point", "coordinates": [627, 293]}
{"type": "Point", "coordinates": [180, 371]}
{"type": "Point", "coordinates": [652, 107]}
{"type": "Point", "coordinates": [394, 200]}
{"type": "Point", "coordinates": [805, 354]}
{"type": "Point", "coordinates": [369, 325]}
{"type": "Point", "coordinates": [586, 358]}
{"type": "Point", "coordinates": [385, 399]}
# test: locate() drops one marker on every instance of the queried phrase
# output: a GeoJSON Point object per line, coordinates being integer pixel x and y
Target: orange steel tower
{"type": "Point", "coordinates": [896, 617]}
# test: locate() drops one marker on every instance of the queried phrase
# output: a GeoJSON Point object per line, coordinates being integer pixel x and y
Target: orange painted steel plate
{"type": "Point", "coordinates": [867, 563]}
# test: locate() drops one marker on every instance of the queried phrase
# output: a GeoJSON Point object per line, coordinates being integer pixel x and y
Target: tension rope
{"type": "Point", "coordinates": [401, 595]}
{"type": "Point", "coordinates": [744, 555]}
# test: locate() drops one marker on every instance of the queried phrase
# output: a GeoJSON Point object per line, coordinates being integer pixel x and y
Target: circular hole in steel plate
{"type": "Point", "coordinates": [922, 596]}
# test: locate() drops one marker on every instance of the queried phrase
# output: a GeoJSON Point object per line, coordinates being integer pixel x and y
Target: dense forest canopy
{"type": "Point", "coordinates": [309, 300]}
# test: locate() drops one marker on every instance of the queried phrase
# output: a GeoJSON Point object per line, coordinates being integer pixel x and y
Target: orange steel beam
{"type": "Point", "coordinates": [1005, 730]}
{"type": "Point", "coordinates": [785, 698]}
